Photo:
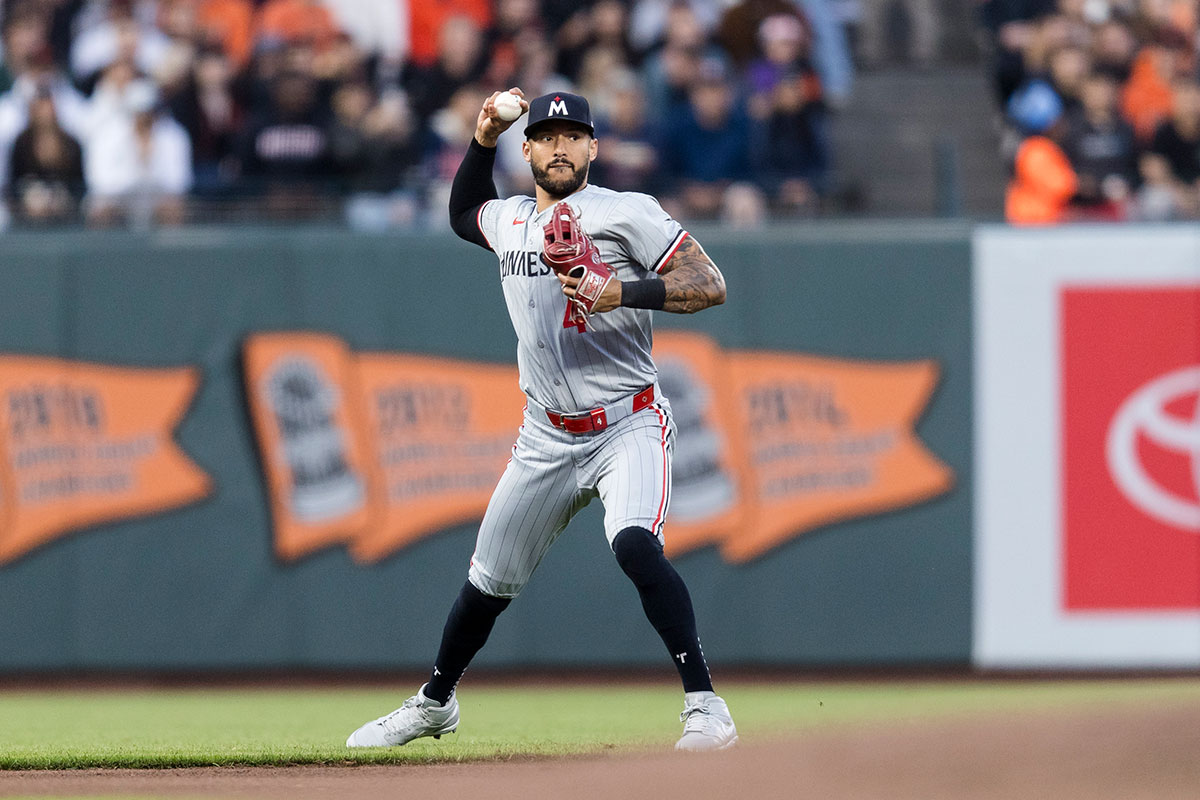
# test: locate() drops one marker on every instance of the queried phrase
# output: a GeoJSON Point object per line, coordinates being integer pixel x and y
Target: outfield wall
{"type": "Point", "coordinates": [122, 551]}
{"type": "Point", "coordinates": [229, 449]}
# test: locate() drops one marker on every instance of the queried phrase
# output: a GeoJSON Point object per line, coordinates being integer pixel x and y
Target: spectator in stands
{"type": "Point", "coordinates": [428, 18]}
{"type": "Point", "coordinates": [1171, 166]}
{"type": "Point", "coordinates": [602, 27]}
{"type": "Point", "coordinates": [737, 32]}
{"type": "Point", "coordinates": [648, 20]}
{"type": "Point", "coordinates": [535, 69]}
{"type": "Point", "coordinates": [1013, 24]}
{"type": "Point", "coordinates": [790, 149]}
{"type": "Point", "coordinates": [228, 24]}
{"type": "Point", "coordinates": [46, 168]}
{"type": "Point", "coordinates": [783, 51]}
{"type": "Point", "coordinates": [789, 141]}
{"type": "Point", "coordinates": [209, 110]}
{"type": "Point", "coordinates": [876, 45]}
{"type": "Point", "coordinates": [668, 74]}
{"type": "Point", "coordinates": [39, 74]}
{"type": "Point", "coordinates": [515, 20]}
{"type": "Point", "coordinates": [284, 151]}
{"type": "Point", "coordinates": [1147, 97]}
{"type": "Point", "coordinates": [1102, 150]}
{"type": "Point", "coordinates": [451, 129]}
{"type": "Point", "coordinates": [1052, 34]}
{"type": "Point", "coordinates": [595, 78]}
{"type": "Point", "coordinates": [378, 28]}
{"type": "Point", "coordinates": [24, 35]}
{"type": "Point", "coordinates": [1177, 140]}
{"type": "Point", "coordinates": [627, 159]}
{"type": "Point", "coordinates": [297, 21]}
{"type": "Point", "coordinates": [120, 36]}
{"type": "Point", "coordinates": [1069, 68]}
{"type": "Point", "coordinates": [373, 141]}
{"type": "Point", "coordinates": [1043, 181]}
{"type": "Point", "coordinates": [138, 166]}
{"type": "Point", "coordinates": [1114, 47]}
{"type": "Point", "coordinates": [830, 50]}
{"type": "Point", "coordinates": [461, 59]}
{"type": "Point", "coordinates": [706, 149]}
{"type": "Point", "coordinates": [339, 62]}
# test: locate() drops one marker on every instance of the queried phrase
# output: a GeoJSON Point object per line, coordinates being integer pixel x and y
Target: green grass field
{"type": "Point", "coordinates": [198, 727]}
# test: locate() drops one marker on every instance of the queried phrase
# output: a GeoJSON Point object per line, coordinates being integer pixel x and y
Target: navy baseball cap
{"type": "Point", "coordinates": [559, 105]}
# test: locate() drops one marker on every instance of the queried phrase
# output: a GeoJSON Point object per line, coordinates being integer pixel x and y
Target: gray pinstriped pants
{"type": "Point", "coordinates": [553, 474]}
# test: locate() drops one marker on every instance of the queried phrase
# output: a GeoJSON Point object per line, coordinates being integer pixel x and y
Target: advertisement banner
{"type": "Point", "coordinates": [1088, 448]}
{"type": "Point", "coordinates": [775, 444]}
{"type": "Point", "coordinates": [87, 443]}
{"type": "Point", "coordinates": [1131, 448]}
{"type": "Point", "coordinates": [374, 450]}
{"type": "Point", "coordinates": [441, 431]}
{"type": "Point", "coordinates": [379, 450]}
{"type": "Point", "coordinates": [307, 417]}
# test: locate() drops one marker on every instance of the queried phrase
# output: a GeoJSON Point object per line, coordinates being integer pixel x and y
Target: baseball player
{"type": "Point", "coordinates": [582, 268]}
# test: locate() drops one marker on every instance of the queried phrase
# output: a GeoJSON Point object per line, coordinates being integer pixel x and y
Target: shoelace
{"type": "Point", "coordinates": [388, 723]}
{"type": "Point", "coordinates": [696, 719]}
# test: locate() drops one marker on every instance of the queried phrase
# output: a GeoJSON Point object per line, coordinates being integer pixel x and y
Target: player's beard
{"type": "Point", "coordinates": [559, 186]}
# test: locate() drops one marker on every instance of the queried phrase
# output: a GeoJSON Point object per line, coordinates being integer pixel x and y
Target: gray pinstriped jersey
{"type": "Point", "coordinates": [563, 368]}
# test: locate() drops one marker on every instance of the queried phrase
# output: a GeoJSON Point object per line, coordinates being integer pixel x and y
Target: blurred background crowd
{"type": "Point", "coordinates": [1103, 102]}
{"type": "Point", "coordinates": [136, 112]}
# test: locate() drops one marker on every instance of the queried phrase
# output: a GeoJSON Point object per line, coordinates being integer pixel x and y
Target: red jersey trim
{"type": "Point", "coordinates": [662, 261]}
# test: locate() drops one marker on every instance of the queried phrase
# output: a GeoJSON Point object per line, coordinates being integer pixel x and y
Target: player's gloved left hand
{"type": "Point", "coordinates": [570, 251]}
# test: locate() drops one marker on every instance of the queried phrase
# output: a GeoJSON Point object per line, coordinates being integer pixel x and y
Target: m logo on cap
{"type": "Point", "coordinates": [557, 106]}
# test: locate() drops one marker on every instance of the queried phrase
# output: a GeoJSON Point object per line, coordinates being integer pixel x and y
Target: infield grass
{"type": "Point", "coordinates": [203, 727]}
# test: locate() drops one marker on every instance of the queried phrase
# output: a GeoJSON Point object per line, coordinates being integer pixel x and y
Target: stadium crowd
{"type": "Point", "coordinates": [134, 112]}
{"type": "Point", "coordinates": [1103, 99]}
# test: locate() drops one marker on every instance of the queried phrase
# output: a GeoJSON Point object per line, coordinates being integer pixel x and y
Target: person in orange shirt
{"type": "Point", "coordinates": [297, 20]}
{"type": "Point", "coordinates": [1043, 181]}
{"type": "Point", "coordinates": [1147, 97]}
{"type": "Point", "coordinates": [428, 17]}
{"type": "Point", "coordinates": [229, 24]}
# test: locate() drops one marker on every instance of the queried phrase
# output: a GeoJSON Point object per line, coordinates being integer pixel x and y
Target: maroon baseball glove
{"type": "Point", "coordinates": [569, 251]}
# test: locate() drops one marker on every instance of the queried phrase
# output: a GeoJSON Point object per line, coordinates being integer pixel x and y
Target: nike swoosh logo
{"type": "Point", "coordinates": [518, 222]}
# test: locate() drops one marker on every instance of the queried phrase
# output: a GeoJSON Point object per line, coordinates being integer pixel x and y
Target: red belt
{"type": "Point", "coordinates": [597, 419]}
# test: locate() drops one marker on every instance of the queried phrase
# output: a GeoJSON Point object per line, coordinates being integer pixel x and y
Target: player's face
{"type": "Point", "coordinates": [559, 154]}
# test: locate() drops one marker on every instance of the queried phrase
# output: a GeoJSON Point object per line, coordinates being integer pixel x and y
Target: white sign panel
{"type": "Point", "coordinates": [1087, 442]}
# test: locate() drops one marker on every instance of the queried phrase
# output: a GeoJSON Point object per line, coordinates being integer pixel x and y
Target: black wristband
{"type": "Point", "coordinates": [650, 294]}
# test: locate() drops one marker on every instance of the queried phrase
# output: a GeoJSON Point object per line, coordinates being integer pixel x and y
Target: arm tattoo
{"type": "Point", "coordinates": [692, 280]}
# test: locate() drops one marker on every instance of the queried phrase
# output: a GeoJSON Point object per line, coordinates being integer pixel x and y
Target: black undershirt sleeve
{"type": "Point", "coordinates": [473, 186]}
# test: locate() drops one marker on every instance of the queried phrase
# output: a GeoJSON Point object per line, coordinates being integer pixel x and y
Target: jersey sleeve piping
{"type": "Point", "coordinates": [670, 251]}
{"type": "Point", "coordinates": [479, 224]}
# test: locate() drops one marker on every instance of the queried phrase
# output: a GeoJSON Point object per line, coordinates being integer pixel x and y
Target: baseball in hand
{"type": "Point", "coordinates": [508, 106]}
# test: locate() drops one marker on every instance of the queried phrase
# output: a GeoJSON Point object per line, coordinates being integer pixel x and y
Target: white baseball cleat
{"type": "Point", "coordinates": [706, 724]}
{"type": "Point", "coordinates": [419, 716]}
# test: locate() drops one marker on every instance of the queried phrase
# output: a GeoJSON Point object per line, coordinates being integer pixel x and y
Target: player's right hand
{"type": "Point", "coordinates": [489, 126]}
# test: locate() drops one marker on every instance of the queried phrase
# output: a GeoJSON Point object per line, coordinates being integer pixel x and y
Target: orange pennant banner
{"type": "Point", "coordinates": [379, 451]}
{"type": "Point", "coordinates": [806, 441]}
{"type": "Point", "coordinates": [376, 451]}
{"type": "Point", "coordinates": [442, 431]}
{"type": "Point", "coordinates": [307, 416]}
{"type": "Point", "coordinates": [87, 443]}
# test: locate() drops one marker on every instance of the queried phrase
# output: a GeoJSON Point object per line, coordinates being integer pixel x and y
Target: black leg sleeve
{"type": "Point", "coordinates": [467, 629]}
{"type": "Point", "coordinates": [666, 601]}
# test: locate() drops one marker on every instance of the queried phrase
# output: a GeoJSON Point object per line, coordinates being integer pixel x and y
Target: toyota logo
{"type": "Point", "coordinates": [1144, 413]}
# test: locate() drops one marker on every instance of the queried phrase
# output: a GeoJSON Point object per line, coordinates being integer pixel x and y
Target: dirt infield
{"type": "Point", "coordinates": [1132, 753]}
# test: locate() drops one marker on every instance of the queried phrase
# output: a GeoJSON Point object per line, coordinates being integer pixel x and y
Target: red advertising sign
{"type": "Point", "coordinates": [1131, 448]}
